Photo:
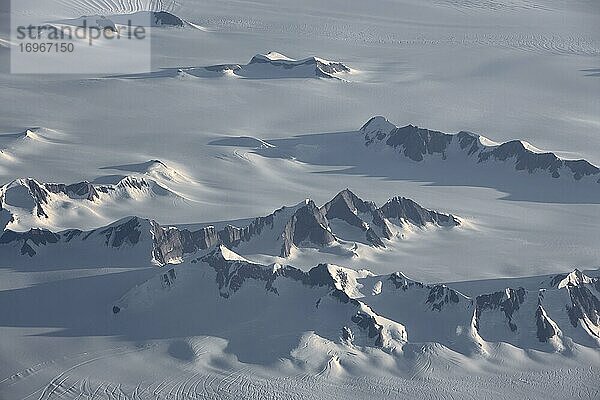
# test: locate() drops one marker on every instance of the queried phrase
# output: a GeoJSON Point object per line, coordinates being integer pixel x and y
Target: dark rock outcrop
{"type": "Point", "coordinates": [274, 65]}
{"type": "Point", "coordinates": [128, 232]}
{"type": "Point", "coordinates": [307, 225]}
{"type": "Point", "coordinates": [401, 208]}
{"type": "Point", "coordinates": [369, 324]}
{"type": "Point", "coordinates": [585, 306]}
{"type": "Point", "coordinates": [163, 18]}
{"type": "Point", "coordinates": [83, 190]}
{"type": "Point", "coordinates": [345, 206]}
{"type": "Point", "coordinates": [439, 295]}
{"type": "Point", "coordinates": [530, 161]}
{"type": "Point", "coordinates": [35, 237]}
{"type": "Point", "coordinates": [40, 197]}
{"type": "Point", "coordinates": [417, 142]}
{"type": "Point", "coordinates": [507, 301]}
{"type": "Point", "coordinates": [545, 330]}
{"type": "Point", "coordinates": [231, 274]}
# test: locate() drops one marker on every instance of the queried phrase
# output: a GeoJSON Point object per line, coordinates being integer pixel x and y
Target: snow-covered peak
{"type": "Point", "coordinates": [278, 57]}
{"type": "Point", "coordinates": [273, 56]}
{"type": "Point", "coordinates": [574, 278]}
{"type": "Point", "coordinates": [155, 169]}
{"type": "Point", "coordinates": [377, 126]}
{"type": "Point", "coordinates": [31, 134]}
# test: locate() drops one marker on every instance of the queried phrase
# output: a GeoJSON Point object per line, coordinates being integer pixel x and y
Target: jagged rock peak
{"type": "Point", "coordinates": [574, 278]}
{"type": "Point", "coordinates": [377, 126]}
{"type": "Point", "coordinates": [307, 225]}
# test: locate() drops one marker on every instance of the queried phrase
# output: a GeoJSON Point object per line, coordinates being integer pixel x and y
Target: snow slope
{"type": "Point", "coordinates": [139, 18]}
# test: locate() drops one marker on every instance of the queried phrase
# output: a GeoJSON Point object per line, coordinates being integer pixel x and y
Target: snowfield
{"type": "Point", "coordinates": [306, 199]}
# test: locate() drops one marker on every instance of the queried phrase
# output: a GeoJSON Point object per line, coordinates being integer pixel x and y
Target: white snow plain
{"type": "Point", "coordinates": [226, 147]}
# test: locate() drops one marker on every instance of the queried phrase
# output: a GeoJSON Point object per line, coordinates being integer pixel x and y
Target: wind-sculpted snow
{"type": "Point", "coordinates": [272, 65]}
{"type": "Point", "coordinates": [32, 135]}
{"type": "Point", "coordinates": [418, 144]}
{"type": "Point", "coordinates": [140, 18]}
{"type": "Point", "coordinates": [97, 305]}
{"type": "Point", "coordinates": [16, 147]}
{"type": "Point", "coordinates": [280, 234]}
{"type": "Point", "coordinates": [34, 197]}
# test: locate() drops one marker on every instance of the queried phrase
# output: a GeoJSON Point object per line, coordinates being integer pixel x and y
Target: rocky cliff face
{"type": "Point", "coordinates": [308, 225]}
{"type": "Point", "coordinates": [506, 302]}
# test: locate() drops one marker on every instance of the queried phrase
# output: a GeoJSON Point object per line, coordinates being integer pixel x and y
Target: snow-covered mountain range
{"type": "Point", "coordinates": [418, 144]}
{"type": "Point", "coordinates": [31, 203]}
{"type": "Point", "coordinates": [336, 226]}
{"type": "Point", "coordinates": [140, 253]}
{"type": "Point", "coordinates": [358, 310]}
